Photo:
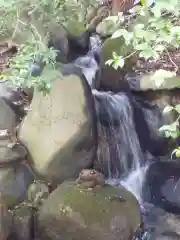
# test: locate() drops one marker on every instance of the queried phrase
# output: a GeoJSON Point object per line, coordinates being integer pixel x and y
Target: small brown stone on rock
{"type": "Point", "coordinates": [90, 178]}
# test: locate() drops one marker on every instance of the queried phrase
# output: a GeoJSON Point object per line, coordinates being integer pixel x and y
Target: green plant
{"type": "Point", "coordinates": [30, 23]}
{"type": "Point", "coordinates": [158, 31]}
{"type": "Point", "coordinates": [172, 130]}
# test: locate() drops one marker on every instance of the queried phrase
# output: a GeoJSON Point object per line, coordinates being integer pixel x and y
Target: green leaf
{"type": "Point", "coordinates": [159, 48]}
{"type": "Point", "coordinates": [138, 27]}
{"type": "Point", "coordinates": [177, 108]}
{"type": "Point", "coordinates": [175, 30]}
{"type": "Point", "coordinates": [115, 56]}
{"type": "Point", "coordinates": [119, 62]}
{"type": "Point", "coordinates": [123, 33]}
{"type": "Point", "coordinates": [167, 109]}
{"type": "Point", "coordinates": [142, 46]}
{"type": "Point", "coordinates": [177, 152]}
{"type": "Point", "coordinates": [109, 62]}
{"type": "Point", "coordinates": [150, 36]}
{"type": "Point", "coordinates": [170, 130]}
{"type": "Point", "coordinates": [148, 53]}
{"type": "Point", "coordinates": [143, 2]}
{"type": "Point", "coordinates": [156, 11]}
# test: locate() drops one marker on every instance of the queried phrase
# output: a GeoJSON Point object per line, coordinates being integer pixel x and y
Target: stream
{"type": "Point", "coordinates": [131, 154]}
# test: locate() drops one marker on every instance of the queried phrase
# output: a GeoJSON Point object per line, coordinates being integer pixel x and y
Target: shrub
{"type": "Point", "coordinates": [155, 31]}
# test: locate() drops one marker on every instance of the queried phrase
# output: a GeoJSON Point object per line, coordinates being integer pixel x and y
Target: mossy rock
{"type": "Point", "coordinates": [72, 138]}
{"type": "Point", "coordinates": [116, 45]}
{"type": "Point", "coordinates": [99, 214]}
{"type": "Point", "coordinates": [75, 28]}
{"type": "Point", "coordinates": [107, 27]}
{"type": "Point", "coordinates": [145, 82]}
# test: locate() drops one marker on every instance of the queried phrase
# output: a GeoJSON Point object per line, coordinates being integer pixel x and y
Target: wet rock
{"type": "Point", "coordinates": [162, 185]}
{"type": "Point", "coordinates": [65, 128]}
{"type": "Point", "coordinates": [107, 27]}
{"type": "Point", "coordinates": [96, 22]}
{"type": "Point", "coordinates": [116, 45]}
{"type": "Point", "coordinates": [5, 220]}
{"type": "Point", "coordinates": [161, 225]}
{"type": "Point", "coordinates": [59, 40]}
{"type": "Point", "coordinates": [162, 98]}
{"type": "Point", "coordinates": [146, 82]}
{"type": "Point", "coordinates": [71, 213]}
{"type": "Point", "coordinates": [13, 99]}
{"type": "Point", "coordinates": [148, 119]}
{"type": "Point", "coordinates": [14, 181]}
{"type": "Point", "coordinates": [113, 79]}
{"type": "Point", "coordinates": [24, 222]}
{"type": "Point", "coordinates": [91, 13]}
{"type": "Point", "coordinates": [90, 69]}
{"type": "Point", "coordinates": [9, 155]}
{"type": "Point", "coordinates": [37, 192]}
{"type": "Point", "coordinates": [7, 118]}
{"type": "Point", "coordinates": [29, 91]}
{"type": "Point", "coordinates": [69, 45]}
{"type": "Point", "coordinates": [75, 28]}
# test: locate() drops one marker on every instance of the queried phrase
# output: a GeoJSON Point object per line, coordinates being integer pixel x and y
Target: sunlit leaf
{"type": "Point", "coordinates": [121, 62]}
{"type": "Point", "coordinates": [159, 48]}
{"type": "Point", "coordinates": [121, 32]}
{"type": "Point", "coordinates": [177, 152]}
{"type": "Point", "coordinates": [177, 108]}
{"type": "Point", "coordinates": [167, 109]}
{"type": "Point", "coordinates": [109, 62]}
{"type": "Point", "coordinates": [142, 46]}
{"type": "Point", "coordinates": [148, 53]}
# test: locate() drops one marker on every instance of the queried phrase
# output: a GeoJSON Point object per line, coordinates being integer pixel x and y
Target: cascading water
{"type": "Point", "coordinates": [115, 121]}
{"type": "Point", "coordinates": [129, 150]}
{"type": "Point", "coordinates": [128, 144]}
{"type": "Point", "coordinates": [120, 153]}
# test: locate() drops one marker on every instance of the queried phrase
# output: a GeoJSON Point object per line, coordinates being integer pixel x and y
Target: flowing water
{"type": "Point", "coordinates": [128, 144]}
{"type": "Point", "coordinates": [116, 124]}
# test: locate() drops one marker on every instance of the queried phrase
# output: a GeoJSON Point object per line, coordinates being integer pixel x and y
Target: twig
{"type": "Point", "coordinates": [32, 11]}
{"type": "Point", "coordinates": [130, 55]}
{"type": "Point", "coordinates": [176, 67]}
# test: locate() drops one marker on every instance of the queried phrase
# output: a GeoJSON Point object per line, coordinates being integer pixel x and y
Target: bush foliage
{"type": "Point", "coordinates": [157, 32]}
{"type": "Point", "coordinates": [28, 23]}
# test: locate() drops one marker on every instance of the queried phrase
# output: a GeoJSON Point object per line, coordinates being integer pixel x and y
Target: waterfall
{"type": "Point", "coordinates": [127, 132]}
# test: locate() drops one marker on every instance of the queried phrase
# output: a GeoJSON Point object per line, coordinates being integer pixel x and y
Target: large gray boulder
{"type": "Point", "coordinates": [100, 214]}
{"type": "Point", "coordinates": [60, 130]}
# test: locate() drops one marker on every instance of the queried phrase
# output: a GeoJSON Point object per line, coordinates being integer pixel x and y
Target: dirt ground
{"type": "Point", "coordinates": [7, 50]}
{"type": "Point", "coordinates": [169, 61]}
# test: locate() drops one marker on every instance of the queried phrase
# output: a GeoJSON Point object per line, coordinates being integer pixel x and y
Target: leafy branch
{"type": "Point", "coordinates": [150, 39]}
{"type": "Point", "coordinates": [30, 22]}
